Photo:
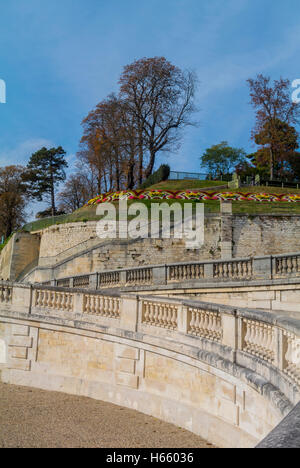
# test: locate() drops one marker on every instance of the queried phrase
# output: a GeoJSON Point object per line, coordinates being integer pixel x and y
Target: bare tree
{"type": "Point", "coordinates": [74, 194]}
{"type": "Point", "coordinates": [109, 143]}
{"type": "Point", "coordinates": [160, 97]}
{"type": "Point", "coordinates": [124, 133]}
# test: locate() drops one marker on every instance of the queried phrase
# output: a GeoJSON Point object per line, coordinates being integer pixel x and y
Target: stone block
{"type": "Point", "coordinates": [2, 352]}
{"type": "Point", "coordinates": [290, 296]}
{"type": "Point", "coordinates": [226, 208]}
{"type": "Point", "coordinates": [21, 330]}
{"type": "Point", "coordinates": [19, 364]}
{"type": "Point", "coordinates": [125, 365]}
{"type": "Point", "coordinates": [19, 353]}
{"type": "Point", "coordinates": [228, 411]}
{"type": "Point", "coordinates": [226, 250]}
{"type": "Point", "coordinates": [21, 341]}
{"type": "Point", "coordinates": [127, 352]}
{"type": "Point", "coordinates": [127, 380]}
{"type": "Point", "coordinates": [227, 391]}
{"type": "Point", "coordinates": [262, 295]}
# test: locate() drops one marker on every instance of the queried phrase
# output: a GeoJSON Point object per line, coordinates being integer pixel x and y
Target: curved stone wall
{"type": "Point", "coordinates": [214, 370]}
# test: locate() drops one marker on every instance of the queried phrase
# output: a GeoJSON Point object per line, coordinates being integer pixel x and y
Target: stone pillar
{"type": "Point", "coordinates": [21, 298]}
{"type": "Point", "coordinates": [129, 313]}
{"type": "Point", "coordinates": [230, 330]}
{"type": "Point", "coordinates": [262, 267]}
{"type": "Point", "coordinates": [78, 303]}
{"type": "Point", "coordinates": [226, 230]}
{"type": "Point", "coordinates": [93, 281]}
{"type": "Point", "coordinates": [208, 271]}
{"type": "Point", "coordinates": [159, 274]}
{"type": "Point", "coordinates": [183, 319]}
{"type": "Point", "coordinates": [123, 277]}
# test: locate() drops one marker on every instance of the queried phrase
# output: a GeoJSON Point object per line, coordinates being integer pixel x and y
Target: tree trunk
{"type": "Point", "coordinates": [117, 173]}
{"type": "Point", "coordinates": [271, 164]}
{"type": "Point", "coordinates": [130, 175]}
{"type": "Point", "coordinates": [141, 158]}
{"type": "Point", "coordinates": [150, 167]}
{"type": "Point", "coordinates": [53, 208]}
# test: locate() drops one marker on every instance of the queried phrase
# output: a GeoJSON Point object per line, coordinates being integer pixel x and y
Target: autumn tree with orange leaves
{"type": "Point", "coordinates": [124, 133]}
{"type": "Point", "coordinates": [275, 116]}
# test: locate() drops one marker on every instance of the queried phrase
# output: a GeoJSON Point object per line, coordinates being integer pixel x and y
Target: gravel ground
{"type": "Point", "coordinates": [31, 418]}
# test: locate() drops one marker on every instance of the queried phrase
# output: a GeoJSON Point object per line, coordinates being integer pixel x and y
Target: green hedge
{"type": "Point", "coordinates": [160, 175]}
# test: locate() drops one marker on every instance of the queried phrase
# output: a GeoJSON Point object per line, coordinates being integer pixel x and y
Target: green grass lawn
{"type": "Point", "coordinates": [88, 213]}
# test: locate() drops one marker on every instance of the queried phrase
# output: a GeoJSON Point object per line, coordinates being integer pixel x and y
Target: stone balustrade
{"type": "Point", "coordinates": [287, 265]}
{"type": "Point", "coordinates": [259, 340]}
{"type": "Point", "coordinates": [292, 356]}
{"type": "Point", "coordinates": [185, 272]}
{"type": "Point", "coordinates": [139, 276]}
{"type": "Point", "coordinates": [58, 300]}
{"type": "Point", "coordinates": [240, 269]}
{"type": "Point", "coordinates": [243, 269]}
{"type": "Point", "coordinates": [204, 323]}
{"type": "Point", "coordinates": [63, 283]}
{"type": "Point", "coordinates": [101, 306]}
{"type": "Point", "coordinates": [81, 281]}
{"type": "Point", "coordinates": [160, 314]}
{"type": "Point", "coordinates": [108, 279]}
{"type": "Point", "coordinates": [262, 349]}
{"type": "Point", "coordinates": [251, 333]}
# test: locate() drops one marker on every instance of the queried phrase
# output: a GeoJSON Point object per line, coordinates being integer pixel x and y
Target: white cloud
{"type": "Point", "coordinates": [21, 153]}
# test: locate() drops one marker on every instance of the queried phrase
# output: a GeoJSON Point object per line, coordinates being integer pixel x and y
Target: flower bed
{"type": "Point", "coordinates": [192, 195]}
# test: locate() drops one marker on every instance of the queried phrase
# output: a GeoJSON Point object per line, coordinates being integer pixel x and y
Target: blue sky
{"type": "Point", "coordinates": [60, 58]}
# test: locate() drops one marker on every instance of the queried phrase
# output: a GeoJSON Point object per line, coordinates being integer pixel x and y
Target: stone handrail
{"type": "Point", "coordinates": [260, 343]}
{"type": "Point", "coordinates": [271, 338]}
{"type": "Point", "coordinates": [237, 269]}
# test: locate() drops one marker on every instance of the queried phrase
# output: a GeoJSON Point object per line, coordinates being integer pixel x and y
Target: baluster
{"type": "Point", "coordinates": [213, 326]}
{"type": "Point", "coordinates": [146, 312]}
{"type": "Point", "coordinates": [117, 307]}
{"type": "Point", "coordinates": [155, 313]}
{"type": "Point", "coordinates": [294, 264]}
{"type": "Point", "coordinates": [247, 334]}
{"type": "Point", "coordinates": [151, 313]}
{"type": "Point", "coordinates": [174, 318]}
{"type": "Point", "coordinates": [160, 315]}
{"type": "Point", "coordinates": [87, 304]}
{"type": "Point", "coordinates": [298, 264]}
{"type": "Point", "coordinates": [71, 302]}
{"type": "Point", "coordinates": [169, 317]}
{"type": "Point", "coordinates": [289, 265]}
{"type": "Point", "coordinates": [198, 322]}
{"type": "Point", "coordinates": [111, 307]}
{"type": "Point", "coordinates": [36, 298]}
{"type": "Point", "coordinates": [114, 308]}
{"type": "Point", "coordinates": [193, 321]}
